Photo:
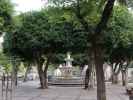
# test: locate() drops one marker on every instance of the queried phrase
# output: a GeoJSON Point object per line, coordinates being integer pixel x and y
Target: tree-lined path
{"type": "Point", "coordinates": [29, 91]}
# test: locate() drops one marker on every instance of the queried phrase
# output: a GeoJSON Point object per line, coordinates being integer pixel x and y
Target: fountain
{"type": "Point", "coordinates": [67, 69]}
{"type": "Point", "coordinates": [64, 74]}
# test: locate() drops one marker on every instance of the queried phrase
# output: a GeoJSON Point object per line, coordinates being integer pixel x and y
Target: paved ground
{"type": "Point", "coordinates": [29, 91]}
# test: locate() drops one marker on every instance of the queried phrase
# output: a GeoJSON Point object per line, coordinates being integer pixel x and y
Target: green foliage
{"type": "Point", "coordinates": [43, 32]}
{"type": "Point", "coordinates": [58, 59]}
{"type": "Point", "coordinates": [6, 11]}
{"type": "Point", "coordinates": [29, 38]}
{"type": "Point", "coordinates": [5, 63]}
{"type": "Point", "coordinates": [118, 35]}
{"type": "Point", "coordinates": [80, 59]}
{"type": "Point", "coordinates": [58, 30]}
{"type": "Point", "coordinates": [89, 9]}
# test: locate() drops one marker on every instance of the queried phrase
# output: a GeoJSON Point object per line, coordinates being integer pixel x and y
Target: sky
{"type": "Point", "coordinates": [28, 5]}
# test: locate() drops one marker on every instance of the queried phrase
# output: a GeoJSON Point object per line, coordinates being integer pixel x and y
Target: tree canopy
{"type": "Point", "coordinates": [119, 34]}
{"type": "Point", "coordinates": [6, 12]}
{"type": "Point", "coordinates": [101, 28]}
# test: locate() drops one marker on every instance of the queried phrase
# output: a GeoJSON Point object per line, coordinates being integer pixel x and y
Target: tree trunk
{"type": "Point", "coordinates": [116, 69]}
{"type": "Point", "coordinates": [26, 73]}
{"type": "Point", "coordinates": [92, 71]}
{"type": "Point", "coordinates": [114, 78]}
{"type": "Point", "coordinates": [41, 77]}
{"type": "Point", "coordinates": [123, 77]}
{"type": "Point", "coordinates": [125, 73]}
{"type": "Point", "coordinates": [16, 74]}
{"type": "Point", "coordinates": [97, 43]}
{"type": "Point", "coordinates": [92, 77]}
{"type": "Point", "coordinates": [45, 80]}
{"type": "Point", "coordinates": [87, 75]}
{"type": "Point", "coordinates": [13, 73]}
{"type": "Point", "coordinates": [45, 72]}
{"type": "Point", "coordinates": [101, 90]}
{"type": "Point", "coordinates": [40, 72]}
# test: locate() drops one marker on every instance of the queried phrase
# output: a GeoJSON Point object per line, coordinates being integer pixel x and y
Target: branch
{"type": "Point", "coordinates": [80, 17]}
{"type": "Point", "coordinates": [128, 63]}
{"type": "Point", "coordinates": [105, 17]}
{"type": "Point", "coordinates": [115, 67]}
{"type": "Point", "coordinates": [47, 63]}
{"type": "Point", "coordinates": [120, 68]}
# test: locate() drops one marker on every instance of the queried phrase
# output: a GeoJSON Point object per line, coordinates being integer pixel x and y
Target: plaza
{"type": "Point", "coordinates": [58, 49]}
{"type": "Point", "coordinates": [29, 91]}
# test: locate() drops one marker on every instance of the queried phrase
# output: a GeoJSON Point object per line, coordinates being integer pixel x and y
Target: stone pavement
{"type": "Point", "coordinates": [29, 91]}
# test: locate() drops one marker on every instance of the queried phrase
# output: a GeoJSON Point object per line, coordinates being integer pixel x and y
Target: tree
{"type": "Point", "coordinates": [118, 42]}
{"type": "Point", "coordinates": [27, 65]}
{"type": "Point", "coordinates": [6, 12]}
{"type": "Point", "coordinates": [36, 38]}
{"type": "Point", "coordinates": [5, 63]}
{"type": "Point", "coordinates": [95, 37]}
{"type": "Point", "coordinates": [81, 10]}
{"type": "Point", "coordinates": [28, 41]}
{"type": "Point", "coordinates": [8, 65]}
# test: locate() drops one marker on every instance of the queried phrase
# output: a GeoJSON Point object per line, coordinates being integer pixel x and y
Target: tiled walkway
{"type": "Point", "coordinates": [29, 91]}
